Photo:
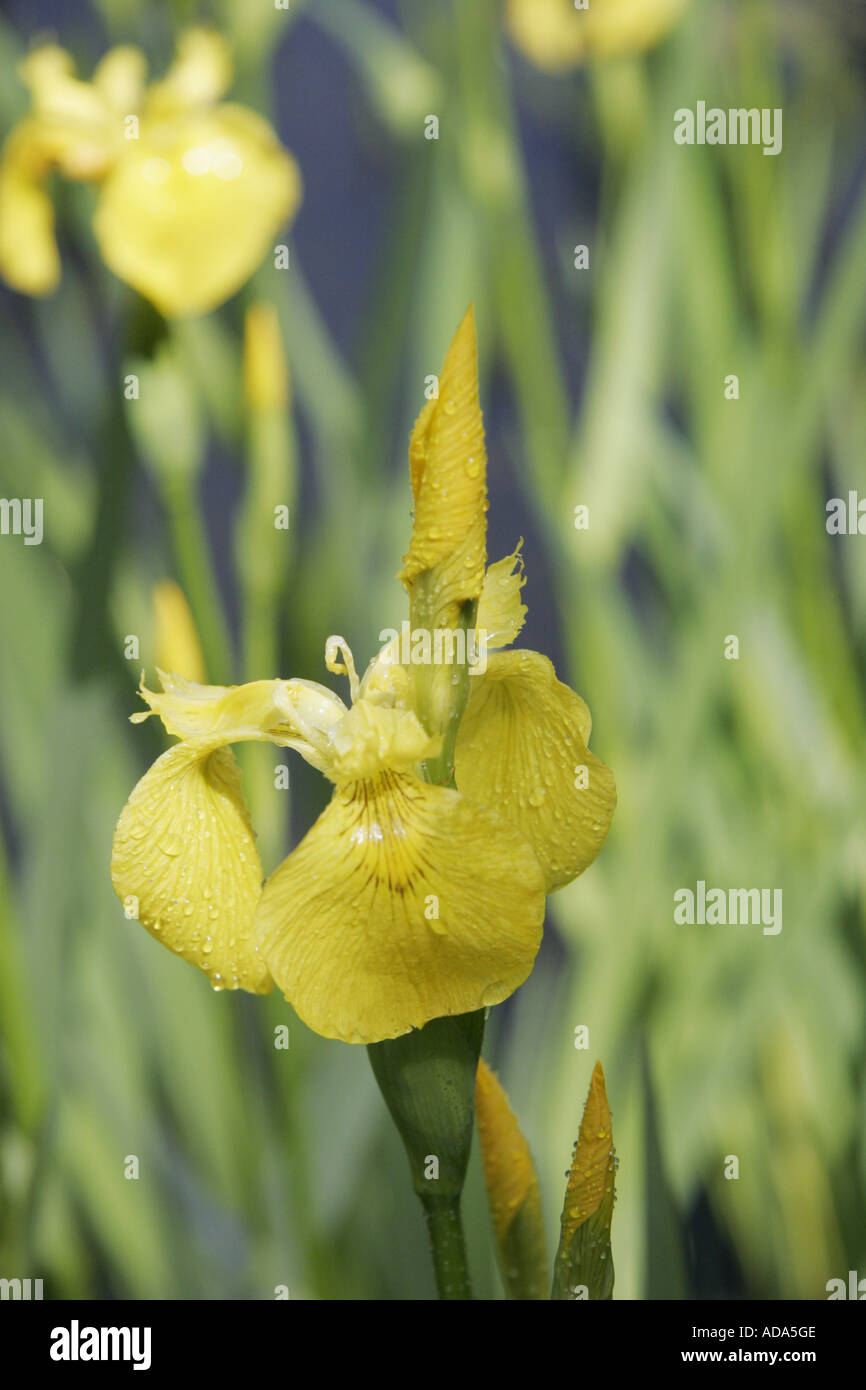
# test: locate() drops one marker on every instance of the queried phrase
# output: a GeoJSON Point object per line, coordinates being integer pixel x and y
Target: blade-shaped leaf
{"type": "Point", "coordinates": [583, 1266]}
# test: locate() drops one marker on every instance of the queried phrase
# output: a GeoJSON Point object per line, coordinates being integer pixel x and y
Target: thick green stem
{"type": "Point", "coordinates": [428, 1080]}
{"type": "Point", "coordinates": [447, 1246]}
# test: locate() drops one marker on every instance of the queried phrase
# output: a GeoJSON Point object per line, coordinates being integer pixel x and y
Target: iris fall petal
{"type": "Point", "coordinates": [185, 864]}
{"type": "Point", "coordinates": [404, 902]}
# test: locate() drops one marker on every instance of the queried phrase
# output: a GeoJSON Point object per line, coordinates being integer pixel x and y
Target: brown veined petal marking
{"type": "Point", "coordinates": [403, 903]}
{"type": "Point", "coordinates": [522, 748]}
{"type": "Point", "coordinates": [184, 862]}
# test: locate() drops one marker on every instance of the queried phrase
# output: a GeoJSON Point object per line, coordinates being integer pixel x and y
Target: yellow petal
{"type": "Point", "coordinates": [556, 35]}
{"type": "Point", "coordinates": [29, 260]}
{"type": "Point", "coordinates": [49, 73]}
{"type": "Point", "coordinates": [281, 712]}
{"type": "Point", "coordinates": [176, 640]}
{"type": "Point", "coordinates": [185, 864]}
{"type": "Point", "coordinates": [403, 903]}
{"type": "Point", "coordinates": [501, 612]}
{"type": "Point", "coordinates": [266, 372]}
{"type": "Point", "coordinates": [119, 79]}
{"type": "Point", "coordinates": [373, 737]}
{"type": "Point", "coordinates": [512, 1189]}
{"type": "Point", "coordinates": [200, 74]}
{"type": "Point", "coordinates": [72, 124]}
{"type": "Point", "coordinates": [521, 747]}
{"type": "Point", "coordinates": [385, 679]}
{"type": "Point", "coordinates": [448, 465]}
{"type": "Point", "coordinates": [190, 209]}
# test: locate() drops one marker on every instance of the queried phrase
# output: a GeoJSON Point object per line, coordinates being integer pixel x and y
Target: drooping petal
{"type": "Point", "coordinates": [448, 464]}
{"type": "Point", "coordinates": [185, 864]}
{"type": "Point", "coordinates": [403, 903]}
{"type": "Point", "coordinates": [29, 259]}
{"type": "Point", "coordinates": [522, 748]}
{"type": "Point", "coordinates": [283, 712]}
{"type": "Point", "coordinates": [190, 209]}
{"type": "Point", "coordinates": [501, 611]}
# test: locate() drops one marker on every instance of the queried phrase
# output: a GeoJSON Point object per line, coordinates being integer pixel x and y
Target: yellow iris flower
{"type": "Point", "coordinates": [191, 189]}
{"type": "Point", "coordinates": [557, 35]}
{"type": "Point", "coordinates": [406, 901]}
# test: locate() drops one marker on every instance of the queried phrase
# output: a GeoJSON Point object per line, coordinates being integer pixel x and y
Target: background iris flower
{"type": "Point", "coordinates": [557, 34]}
{"type": "Point", "coordinates": [191, 189]}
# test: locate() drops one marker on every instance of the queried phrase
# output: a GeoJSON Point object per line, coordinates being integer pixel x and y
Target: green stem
{"type": "Point", "coordinates": [440, 770]}
{"type": "Point", "coordinates": [427, 1078]}
{"type": "Point", "coordinates": [447, 1246]}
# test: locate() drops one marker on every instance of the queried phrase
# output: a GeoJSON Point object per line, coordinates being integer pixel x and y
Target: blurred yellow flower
{"type": "Point", "coordinates": [407, 900]}
{"type": "Point", "coordinates": [513, 1190]}
{"type": "Point", "coordinates": [191, 190]}
{"type": "Point", "coordinates": [176, 640]}
{"type": "Point", "coordinates": [557, 35]}
{"type": "Point", "coordinates": [266, 371]}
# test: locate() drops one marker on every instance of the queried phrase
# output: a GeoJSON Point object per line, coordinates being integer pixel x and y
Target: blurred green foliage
{"type": "Point", "coordinates": [262, 1167]}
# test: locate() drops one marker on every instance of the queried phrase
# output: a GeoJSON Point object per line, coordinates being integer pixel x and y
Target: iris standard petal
{"type": "Point", "coordinates": [522, 748]}
{"type": "Point", "coordinates": [200, 74]}
{"type": "Point", "coordinates": [404, 902]}
{"type": "Point", "coordinates": [501, 611]}
{"type": "Point", "coordinates": [119, 78]}
{"type": "Point", "coordinates": [448, 463]}
{"type": "Point", "coordinates": [189, 210]}
{"type": "Point", "coordinates": [185, 864]}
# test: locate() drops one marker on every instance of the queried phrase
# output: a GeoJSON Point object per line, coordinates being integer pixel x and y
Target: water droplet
{"type": "Point", "coordinates": [171, 844]}
{"type": "Point", "coordinates": [492, 994]}
{"type": "Point", "coordinates": [537, 795]}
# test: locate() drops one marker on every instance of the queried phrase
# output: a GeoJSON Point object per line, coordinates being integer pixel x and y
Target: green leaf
{"type": "Point", "coordinates": [584, 1266]}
